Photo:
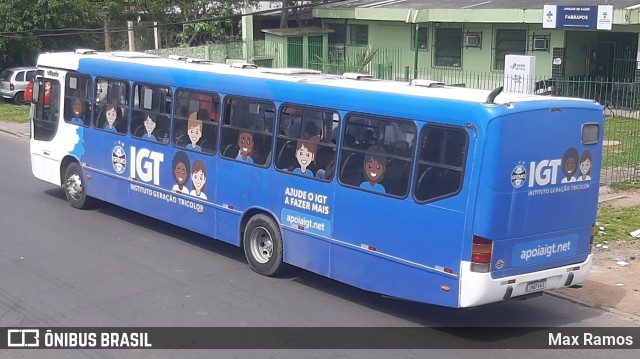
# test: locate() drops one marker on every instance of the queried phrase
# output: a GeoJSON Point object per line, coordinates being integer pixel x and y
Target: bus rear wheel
{"type": "Point", "coordinates": [262, 244]}
{"type": "Point", "coordinates": [74, 186]}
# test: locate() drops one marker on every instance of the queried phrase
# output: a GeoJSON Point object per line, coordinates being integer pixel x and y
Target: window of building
{"type": "Point", "coordinates": [358, 35]}
{"type": "Point", "coordinates": [77, 99]}
{"type": "Point", "coordinates": [112, 105]}
{"type": "Point", "coordinates": [441, 161]}
{"type": "Point", "coordinates": [422, 37]}
{"type": "Point", "coordinates": [306, 142]}
{"type": "Point", "coordinates": [377, 154]}
{"type": "Point", "coordinates": [448, 47]}
{"type": "Point", "coordinates": [509, 42]}
{"type": "Point", "coordinates": [339, 34]}
{"type": "Point", "coordinates": [247, 131]}
{"type": "Point", "coordinates": [151, 111]}
{"type": "Point", "coordinates": [195, 122]}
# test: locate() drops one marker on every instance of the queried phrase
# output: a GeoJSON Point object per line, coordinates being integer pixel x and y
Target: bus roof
{"type": "Point", "coordinates": [419, 88]}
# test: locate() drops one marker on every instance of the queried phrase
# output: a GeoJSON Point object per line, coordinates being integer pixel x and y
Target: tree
{"type": "Point", "coordinates": [284, 17]}
{"type": "Point", "coordinates": [197, 33]}
{"type": "Point", "coordinates": [26, 21]}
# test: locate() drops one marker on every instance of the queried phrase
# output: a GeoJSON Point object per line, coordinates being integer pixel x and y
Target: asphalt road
{"type": "Point", "coordinates": [61, 267]}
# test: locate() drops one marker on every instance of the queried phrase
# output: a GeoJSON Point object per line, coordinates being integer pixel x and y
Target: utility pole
{"type": "Point", "coordinates": [132, 45]}
{"type": "Point", "coordinates": [247, 32]}
{"type": "Point", "coordinates": [156, 34]}
{"type": "Point", "coordinates": [107, 35]}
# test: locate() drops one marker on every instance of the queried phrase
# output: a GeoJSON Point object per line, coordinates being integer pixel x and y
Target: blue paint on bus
{"type": "Point", "coordinates": [521, 186]}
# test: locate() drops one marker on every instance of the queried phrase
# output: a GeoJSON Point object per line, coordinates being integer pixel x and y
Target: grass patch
{"type": "Point", "coordinates": [625, 186]}
{"type": "Point", "coordinates": [625, 150]}
{"type": "Point", "coordinates": [13, 113]}
{"type": "Point", "coordinates": [617, 223]}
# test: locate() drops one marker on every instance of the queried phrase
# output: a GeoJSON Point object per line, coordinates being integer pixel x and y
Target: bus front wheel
{"type": "Point", "coordinates": [74, 186]}
{"type": "Point", "coordinates": [262, 244]}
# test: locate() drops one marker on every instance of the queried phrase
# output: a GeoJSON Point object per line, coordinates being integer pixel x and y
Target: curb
{"type": "Point", "coordinates": [612, 310]}
{"type": "Point", "coordinates": [25, 133]}
{"type": "Point", "coordinates": [15, 134]}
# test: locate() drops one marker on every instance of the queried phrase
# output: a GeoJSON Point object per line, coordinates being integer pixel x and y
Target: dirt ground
{"type": "Point", "coordinates": [614, 281]}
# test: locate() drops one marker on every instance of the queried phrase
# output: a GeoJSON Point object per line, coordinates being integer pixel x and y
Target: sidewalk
{"type": "Point", "coordinates": [15, 129]}
{"type": "Point", "coordinates": [602, 288]}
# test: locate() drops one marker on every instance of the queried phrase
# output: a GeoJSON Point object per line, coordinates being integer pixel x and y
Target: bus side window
{"type": "Point", "coordinates": [307, 140]}
{"type": "Point", "coordinates": [150, 115]}
{"type": "Point", "coordinates": [377, 154]}
{"type": "Point", "coordinates": [78, 99]}
{"type": "Point", "coordinates": [112, 105]}
{"type": "Point", "coordinates": [193, 128]}
{"type": "Point", "coordinates": [441, 161]}
{"type": "Point", "coordinates": [247, 131]}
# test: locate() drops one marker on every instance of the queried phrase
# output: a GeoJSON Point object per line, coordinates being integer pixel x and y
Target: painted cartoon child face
{"type": "Point", "coordinates": [180, 173]}
{"type": "Point", "coordinates": [77, 107]}
{"type": "Point", "coordinates": [149, 125]}
{"type": "Point", "coordinates": [304, 157]}
{"type": "Point", "coordinates": [373, 170]}
{"type": "Point", "coordinates": [195, 134]}
{"type": "Point", "coordinates": [111, 116]}
{"type": "Point", "coordinates": [199, 179]}
{"type": "Point", "coordinates": [585, 166]}
{"type": "Point", "coordinates": [245, 142]}
{"type": "Point", "coordinates": [570, 167]}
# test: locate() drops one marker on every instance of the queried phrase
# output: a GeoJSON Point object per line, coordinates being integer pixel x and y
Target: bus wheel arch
{"type": "Point", "coordinates": [262, 243]}
{"type": "Point", "coordinates": [73, 182]}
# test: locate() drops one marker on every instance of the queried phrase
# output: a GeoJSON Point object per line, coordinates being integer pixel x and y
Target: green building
{"type": "Point", "coordinates": [402, 38]}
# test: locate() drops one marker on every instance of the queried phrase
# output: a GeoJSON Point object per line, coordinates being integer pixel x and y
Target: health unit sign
{"type": "Point", "coordinates": [588, 17]}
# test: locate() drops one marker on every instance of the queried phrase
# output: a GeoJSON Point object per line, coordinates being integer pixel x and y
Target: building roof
{"type": "Point", "coordinates": [473, 4]}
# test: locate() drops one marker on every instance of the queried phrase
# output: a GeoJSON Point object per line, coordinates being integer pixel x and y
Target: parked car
{"type": "Point", "coordinates": [28, 93]}
{"type": "Point", "coordinates": [13, 83]}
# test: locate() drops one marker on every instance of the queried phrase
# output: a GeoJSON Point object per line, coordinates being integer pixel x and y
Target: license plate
{"type": "Point", "coordinates": [536, 285]}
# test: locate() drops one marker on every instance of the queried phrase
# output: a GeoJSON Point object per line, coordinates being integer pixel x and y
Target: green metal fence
{"type": "Point", "coordinates": [620, 99]}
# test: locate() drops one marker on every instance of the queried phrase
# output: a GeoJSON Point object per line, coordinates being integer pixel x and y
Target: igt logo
{"type": "Point", "coordinates": [544, 172]}
{"type": "Point", "coordinates": [146, 165]}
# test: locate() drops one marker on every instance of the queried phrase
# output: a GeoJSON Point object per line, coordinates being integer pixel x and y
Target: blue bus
{"type": "Point", "coordinates": [444, 195]}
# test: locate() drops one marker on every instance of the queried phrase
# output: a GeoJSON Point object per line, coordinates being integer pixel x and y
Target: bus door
{"type": "Point", "coordinates": [47, 149]}
{"type": "Point", "coordinates": [305, 158]}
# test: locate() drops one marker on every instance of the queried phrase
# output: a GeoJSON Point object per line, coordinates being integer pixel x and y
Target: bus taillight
{"type": "Point", "coordinates": [481, 250]}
